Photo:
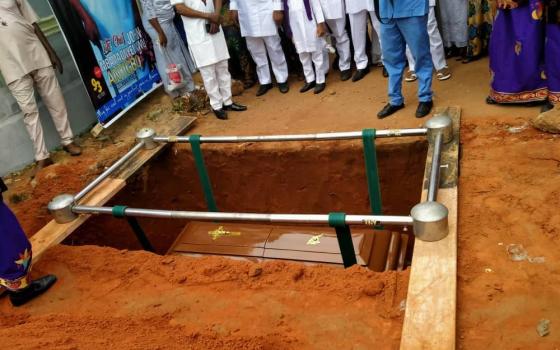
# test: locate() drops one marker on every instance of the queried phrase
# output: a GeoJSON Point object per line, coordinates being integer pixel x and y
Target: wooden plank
{"type": "Point", "coordinates": [53, 233]}
{"type": "Point", "coordinates": [173, 126]}
{"type": "Point", "coordinates": [431, 304]}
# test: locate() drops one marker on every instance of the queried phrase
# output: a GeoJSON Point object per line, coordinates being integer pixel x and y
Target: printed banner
{"type": "Point", "coordinates": [113, 53]}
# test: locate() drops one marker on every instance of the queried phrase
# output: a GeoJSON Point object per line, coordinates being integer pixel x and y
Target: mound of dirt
{"type": "Point", "coordinates": [106, 298]}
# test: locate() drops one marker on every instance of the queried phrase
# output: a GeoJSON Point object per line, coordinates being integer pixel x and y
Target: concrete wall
{"type": "Point", "coordinates": [16, 150]}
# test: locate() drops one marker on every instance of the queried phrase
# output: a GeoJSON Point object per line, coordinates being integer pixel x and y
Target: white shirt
{"type": "Point", "coordinates": [21, 52]}
{"type": "Point", "coordinates": [355, 6]}
{"type": "Point", "coordinates": [206, 48]}
{"type": "Point", "coordinates": [255, 16]}
{"type": "Point", "coordinates": [333, 9]}
{"type": "Point", "coordinates": [304, 30]}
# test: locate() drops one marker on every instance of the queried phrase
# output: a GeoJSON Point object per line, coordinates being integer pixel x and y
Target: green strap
{"type": "Point", "coordinates": [344, 237]}
{"type": "Point", "coordinates": [203, 173]}
{"type": "Point", "coordinates": [140, 234]}
{"type": "Point", "coordinates": [370, 158]}
{"type": "Point", "coordinates": [119, 212]}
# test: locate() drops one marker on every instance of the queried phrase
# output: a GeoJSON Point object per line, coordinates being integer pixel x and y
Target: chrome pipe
{"type": "Point", "coordinates": [109, 171]}
{"type": "Point", "coordinates": [351, 135]}
{"type": "Point", "coordinates": [433, 185]}
{"type": "Point", "coordinates": [270, 218]}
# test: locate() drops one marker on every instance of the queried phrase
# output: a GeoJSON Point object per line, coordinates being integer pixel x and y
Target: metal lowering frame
{"type": "Point", "coordinates": [429, 219]}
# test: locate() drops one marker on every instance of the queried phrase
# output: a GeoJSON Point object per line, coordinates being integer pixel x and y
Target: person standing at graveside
{"type": "Point", "coordinates": [406, 23]}
{"type": "Point", "coordinates": [306, 24]}
{"type": "Point", "coordinates": [171, 54]}
{"type": "Point", "coordinates": [27, 60]}
{"type": "Point", "coordinates": [334, 13]}
{"type": "Point", "coordinates": [259, 21]}
{"type": "Point", "coordinates": [208, 46]}
{"type": "Point", "coordinates": [15, 259]}
{"type": "Point", "coordinates": [436, 48]}
{"type": "Point", "coordinates": [358, 12]}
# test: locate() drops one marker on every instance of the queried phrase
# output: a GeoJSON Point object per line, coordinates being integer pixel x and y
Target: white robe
{"type": "Point", "coordinates": [304, 30]}
{"type": "Point", "coordinates": [333, 9]}
{"type": "Point", "coordinates": [355, 6]}
{"type": "Point", "coordinates": [206, 48]}
{"type": "Point", "coordinates": [255, 16]}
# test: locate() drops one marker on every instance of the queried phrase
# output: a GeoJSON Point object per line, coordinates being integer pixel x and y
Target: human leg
{"type": "Point", "coordinates": [277, 58]}
{"type": "Point", "coordinates": [394, 57]}
{"type": "Point", "coordinates": [23, 92]}
{"type": "Point", "coordinates": [358, 25]}
{"type": "Point", "coordinates": [436, 43]}
{"type": "Point", "coordinates": [212, 86]}
{"type": "Point", "coordinates": [224, 82]}
{"type": "Point", "coordinates": [257, 48]}
{"type": "Point", "coordinates": [415, 33]}
{"type": "Point", "coordinates": [338, 28]}
{"type": "Point", "coordinates": [49, 89]}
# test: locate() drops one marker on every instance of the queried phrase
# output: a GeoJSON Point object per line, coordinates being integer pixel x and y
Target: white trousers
{"type": "Point", "coordinates": [49, 90]}
{"type": "Point", "coordinates": [259, 47]}
{"type": "Point", "coordinates": [338, 28]}
{"type": "Point", "coordinates": [308, 59]}
{"type": "Point", "coordinates": [217, 82]}
{"type": "Point", "coordinates": [359, 28]}
{"type": "Point", "coordinates": [436, 44]}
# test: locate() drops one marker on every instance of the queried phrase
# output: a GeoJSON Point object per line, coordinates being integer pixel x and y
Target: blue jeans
{"type": "Point", "coordinates": [395, 35]}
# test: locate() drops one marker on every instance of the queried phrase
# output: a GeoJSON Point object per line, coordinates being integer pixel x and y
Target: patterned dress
{"type": "Point", "coordinates": [525, 53]}
{"type": "Point", "coordinates": [15, 249]}
{"type": "Point", "coordinates": [480, 19]}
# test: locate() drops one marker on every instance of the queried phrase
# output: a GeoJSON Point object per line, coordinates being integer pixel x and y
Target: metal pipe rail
{"type": "Point", "coordinates": [370, 220]}
{"type": "Point", "coordinates": [109, 171]}
{"type": "Point", "coordinates": [433, 184]}
{"type": "Point", "coordinates": [351, 135]}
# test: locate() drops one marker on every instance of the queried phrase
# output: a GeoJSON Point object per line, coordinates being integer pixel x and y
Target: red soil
{"type": "Point", "coordinates": [509, 193]}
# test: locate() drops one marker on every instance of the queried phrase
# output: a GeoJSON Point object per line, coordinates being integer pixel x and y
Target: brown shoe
{"type": "Point", "coordinates": [73, 149]}
{"type": "Point", "coordinates": [443, 74]}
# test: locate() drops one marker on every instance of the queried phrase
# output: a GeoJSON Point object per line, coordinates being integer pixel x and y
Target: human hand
{"type": "Point", "coordinates": [214, 18]}
{"type": "Point", "coordinates": [214, 28]}
{"type": "Point", "coordinates": [278, 17]}
{"type": "Point", "coordinates": [507, 4]}
{"type": "Point", "coordinates": [56, 62]}
{"type": "Point", "coordinates": [234, 15]}
{"type": "Point", "coordinates": [162, 39]}
{"type": "Point", "coordinates": [321, 30]}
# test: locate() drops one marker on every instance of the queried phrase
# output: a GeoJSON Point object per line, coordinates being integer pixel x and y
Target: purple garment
{"type": "Point", "coordinates": [308, 12]}
{"type": "Point", "coordinates": [517, 55]}
{"type": "Point", "coordinates": [552, 59]}
{"type": "Point", "coordinates": [15, 249]}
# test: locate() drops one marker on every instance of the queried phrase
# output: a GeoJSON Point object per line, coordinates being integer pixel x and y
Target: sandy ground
{"type": "Point", "coordinates": [509, 194]}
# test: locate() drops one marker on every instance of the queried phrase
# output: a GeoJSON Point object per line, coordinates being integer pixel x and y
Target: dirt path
{"type": "Point", "coordinates": [509, 194]}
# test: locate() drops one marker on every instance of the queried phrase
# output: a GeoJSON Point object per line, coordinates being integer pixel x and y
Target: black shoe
{"type": "Point", "coordinates": [34, 289]}
{"type": "Point", "coordinates": [319, 88]}
{"type": "Point", "coordinates": [235, 107]}
{"type": "Point", "coordinates": [388, 110]}
{"type": "Point", "coordinates": [360, 74]}
{"type": "Point", "coordinates": [283, 87]}
{"type": "Point", "coordinates": [263, 89]}
{"type": "Point", "coordinates": [307, 86]}
{"type": "Point", "coordinates": [220, 114]}
{"type": "Point", "coordinates": [345, 74]}
{"type": "Point", "coordinates": [385, 73]}
{"type": "Point", "coordinates": [424, 108]}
